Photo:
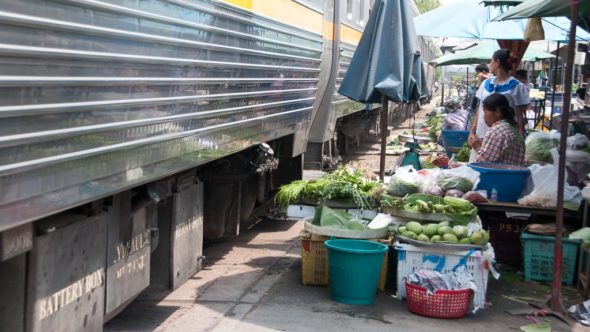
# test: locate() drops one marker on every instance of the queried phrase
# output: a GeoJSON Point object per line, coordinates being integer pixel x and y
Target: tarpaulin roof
{"type": "Point", "coordinates": [472, 19]}
{"type": "Point", "coordinates": [482, 52]}
{"type": "Point", "coordinates": [544, 8]}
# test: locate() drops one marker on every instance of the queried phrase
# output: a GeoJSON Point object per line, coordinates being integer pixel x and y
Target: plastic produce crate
{"type": "Point", "coordinates": [439, 304]}
{"type": "Point", "coordinates": [454, 139]}
{"type": "Point", "coordinates": [538, 258]}
{"type": "Point", "coordinates": [314, 261]}
{"type": "Point", "coordinates": [411, 258]}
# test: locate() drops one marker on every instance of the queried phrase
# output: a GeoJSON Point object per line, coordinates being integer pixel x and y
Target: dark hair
{"type": "Point", "coordinates": [497, 101]}
{"type": "Point", "coordinates": [521, 74]}
{"type": "Point", "coordinates": [505, 59]}
{"type": "Point", "coordinates": [482, 68]}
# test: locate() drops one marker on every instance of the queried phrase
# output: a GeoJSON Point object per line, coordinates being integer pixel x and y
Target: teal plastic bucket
{"type": "Point", "coordinates": [355, 266]}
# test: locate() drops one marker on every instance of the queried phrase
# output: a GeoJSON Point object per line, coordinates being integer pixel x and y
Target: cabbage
{"type": "Point", "coordinates": [400, 187]}
{"type": "Point", "coordinates": [538, 147]}
{"type": "Point", "coordinates": [450, 181]}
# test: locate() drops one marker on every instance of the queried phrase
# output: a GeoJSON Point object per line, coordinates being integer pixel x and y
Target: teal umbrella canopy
{"type": "Point", "coordinates": [385, 58]}
{"type": "Point", "coordinates": [482, 52]}
{"type": "Point", "coordinates": [472, 19]}
{"type": "Point", "coordinates": [548, 8]}
{"type": "Point", "coordinates": [419, 75]}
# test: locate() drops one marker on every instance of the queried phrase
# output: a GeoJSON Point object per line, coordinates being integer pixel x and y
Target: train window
{"type": "Point", "coordinates": [362, 12]}
{"type": "Point", "coordinates": [349, 10]}
{"type": "Point", "coordinates": [317, 5]}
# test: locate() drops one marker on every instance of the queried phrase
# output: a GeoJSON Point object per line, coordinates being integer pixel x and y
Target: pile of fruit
{"type": "Point", "coordinates": [442, 232]}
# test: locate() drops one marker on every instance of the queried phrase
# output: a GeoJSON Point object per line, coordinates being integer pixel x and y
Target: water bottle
{"type": "Point", "coordinates": [494, 195]}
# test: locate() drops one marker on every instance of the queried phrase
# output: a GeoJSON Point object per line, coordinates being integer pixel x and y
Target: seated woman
{"type": "Point", "coordinates": [503, 144]}
{"type": "Point", "coordinates": [456, 119]}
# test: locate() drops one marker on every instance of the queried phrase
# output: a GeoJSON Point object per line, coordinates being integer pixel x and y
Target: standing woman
{"type": "Point", "coordinates": [503, 83]}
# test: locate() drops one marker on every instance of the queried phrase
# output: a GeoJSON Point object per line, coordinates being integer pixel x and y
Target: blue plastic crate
{"type": "Point", "coordinates": [538, 258]}
{"type": "Point", "coordinates": [454, 139]}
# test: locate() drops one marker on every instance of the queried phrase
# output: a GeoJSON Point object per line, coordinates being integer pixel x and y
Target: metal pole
{"type": "Point", "coordinates": [467, 82]}
{"type": "Point", "coordinates": [554, 86]}
{"type": "Point", "coordinates": [384, 134]}
{"type": "Point", "coordinates": [442, 91]}
{"type": "Point", "coordinates": [567, 93]}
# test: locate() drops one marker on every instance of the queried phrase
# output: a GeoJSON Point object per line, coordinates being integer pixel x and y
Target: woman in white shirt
{"type": "Point", "coordinates": [502, 82]}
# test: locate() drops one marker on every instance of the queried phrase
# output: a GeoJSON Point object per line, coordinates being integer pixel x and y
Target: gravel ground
{"type": "Point", "coordinates": [367, 152]}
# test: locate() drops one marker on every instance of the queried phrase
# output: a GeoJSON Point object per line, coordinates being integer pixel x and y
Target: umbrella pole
{"type": "Point", "coordinates": [567, 93]}
{"type": "Point", "coordinates": [442, 85]}
{"type": "Point", "coordinates": [384, 134]}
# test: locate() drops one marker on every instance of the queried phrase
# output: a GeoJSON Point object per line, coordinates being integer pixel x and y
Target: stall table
{"type": "Point", "coordinates": [505, 230]}
{"type": "Point", "coordinates": [516, 208]}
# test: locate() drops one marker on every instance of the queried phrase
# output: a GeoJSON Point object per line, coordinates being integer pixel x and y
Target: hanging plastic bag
{"type": "Point", "coordinates": [405, 181]}
{"type": "Point", "coordinates": [462, 178]}
{"type": "Point", "coordinates": [544, 192]}
{"type": "Point", "coordinates": [429, 185]}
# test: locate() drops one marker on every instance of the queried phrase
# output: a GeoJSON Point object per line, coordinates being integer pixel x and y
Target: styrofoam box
{"type": "Point", "coordinates": [412, 258]}
{"type": "Point", "coordinates": [306, 211]}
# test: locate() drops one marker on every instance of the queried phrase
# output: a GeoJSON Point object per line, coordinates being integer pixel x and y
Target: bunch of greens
{"type": "Point", "coordinates": [393, 141]}
{"type": "Point", "coordinates": [464, 153]}
{"type": "Point", "coordinates": [389, 201]}
{"type": "Point", "coordinates": [435, 123]}
{"type": "Point", "coordinates": [345, 183]}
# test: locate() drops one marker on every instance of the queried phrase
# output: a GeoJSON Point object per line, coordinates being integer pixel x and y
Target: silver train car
{"type": "Point", "coordinates": [133, 130]}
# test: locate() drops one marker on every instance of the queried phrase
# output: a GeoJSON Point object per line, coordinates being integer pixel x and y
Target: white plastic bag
{"type": "Point", "coordinates": [544, 193]}
{"type": "Point", "coordinates": [405, 181]}
{"type": "Point", "coordinates": [428, 181]}
{"type": "Point", "coordinates": [577, 142]}
{"type": "Point", "coordinates": [462, 178]}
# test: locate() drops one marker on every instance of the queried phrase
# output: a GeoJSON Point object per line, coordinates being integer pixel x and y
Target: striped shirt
{"type": "Point", "coordinates": [502, 144]}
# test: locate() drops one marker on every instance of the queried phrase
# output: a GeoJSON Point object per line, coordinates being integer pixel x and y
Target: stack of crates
{"type": "Point", "coordinates": [413, 258]}
{"type": "Point", "coordinates": [314, 261]}
{"type": "Point", "coordinates": [538, 258]}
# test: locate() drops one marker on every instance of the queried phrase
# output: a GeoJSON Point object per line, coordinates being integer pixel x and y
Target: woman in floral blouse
{"type": "Point", "coordinates": [502, 143]}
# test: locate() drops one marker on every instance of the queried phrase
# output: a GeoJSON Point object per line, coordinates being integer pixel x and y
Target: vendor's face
{"type": "Point", "coordinates": [491, 116]}
{"type": "Point", "coordinates": [493, 66]}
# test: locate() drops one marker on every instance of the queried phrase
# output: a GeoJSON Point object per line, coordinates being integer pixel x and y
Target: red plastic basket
{"type": "Point", "coordinates": [440, 304]}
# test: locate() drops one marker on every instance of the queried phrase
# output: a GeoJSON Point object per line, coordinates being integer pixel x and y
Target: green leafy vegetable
{"type": "Point", "coordinates": [450, 181]}
{"type": "Point", "coordinates": [346, 183]}
{"type": "Point", "coordinates": [464, 153]}
{"type": "Point", "coordinates": [538, 147]}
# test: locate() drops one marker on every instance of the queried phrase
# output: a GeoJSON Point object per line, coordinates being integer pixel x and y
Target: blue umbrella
{"type": "Point", "coordinates": [385, 65]}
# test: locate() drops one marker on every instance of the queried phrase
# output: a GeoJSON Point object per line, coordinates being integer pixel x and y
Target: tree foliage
{"type": "Point", "coordinates": [427, 5]}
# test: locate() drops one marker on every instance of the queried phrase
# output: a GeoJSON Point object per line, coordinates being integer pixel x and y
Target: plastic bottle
{"type": "Point", "coordinates": [494, 195]}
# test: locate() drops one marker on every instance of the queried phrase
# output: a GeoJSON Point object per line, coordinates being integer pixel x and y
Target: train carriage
{"type": "Point", "coordinates": [131, 131]}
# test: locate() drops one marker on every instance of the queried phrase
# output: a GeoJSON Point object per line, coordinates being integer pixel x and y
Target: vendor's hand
{"type": "Point", "coordinates": [472, 139]}
{"type": "Point", "coordinates": [476, 144]}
